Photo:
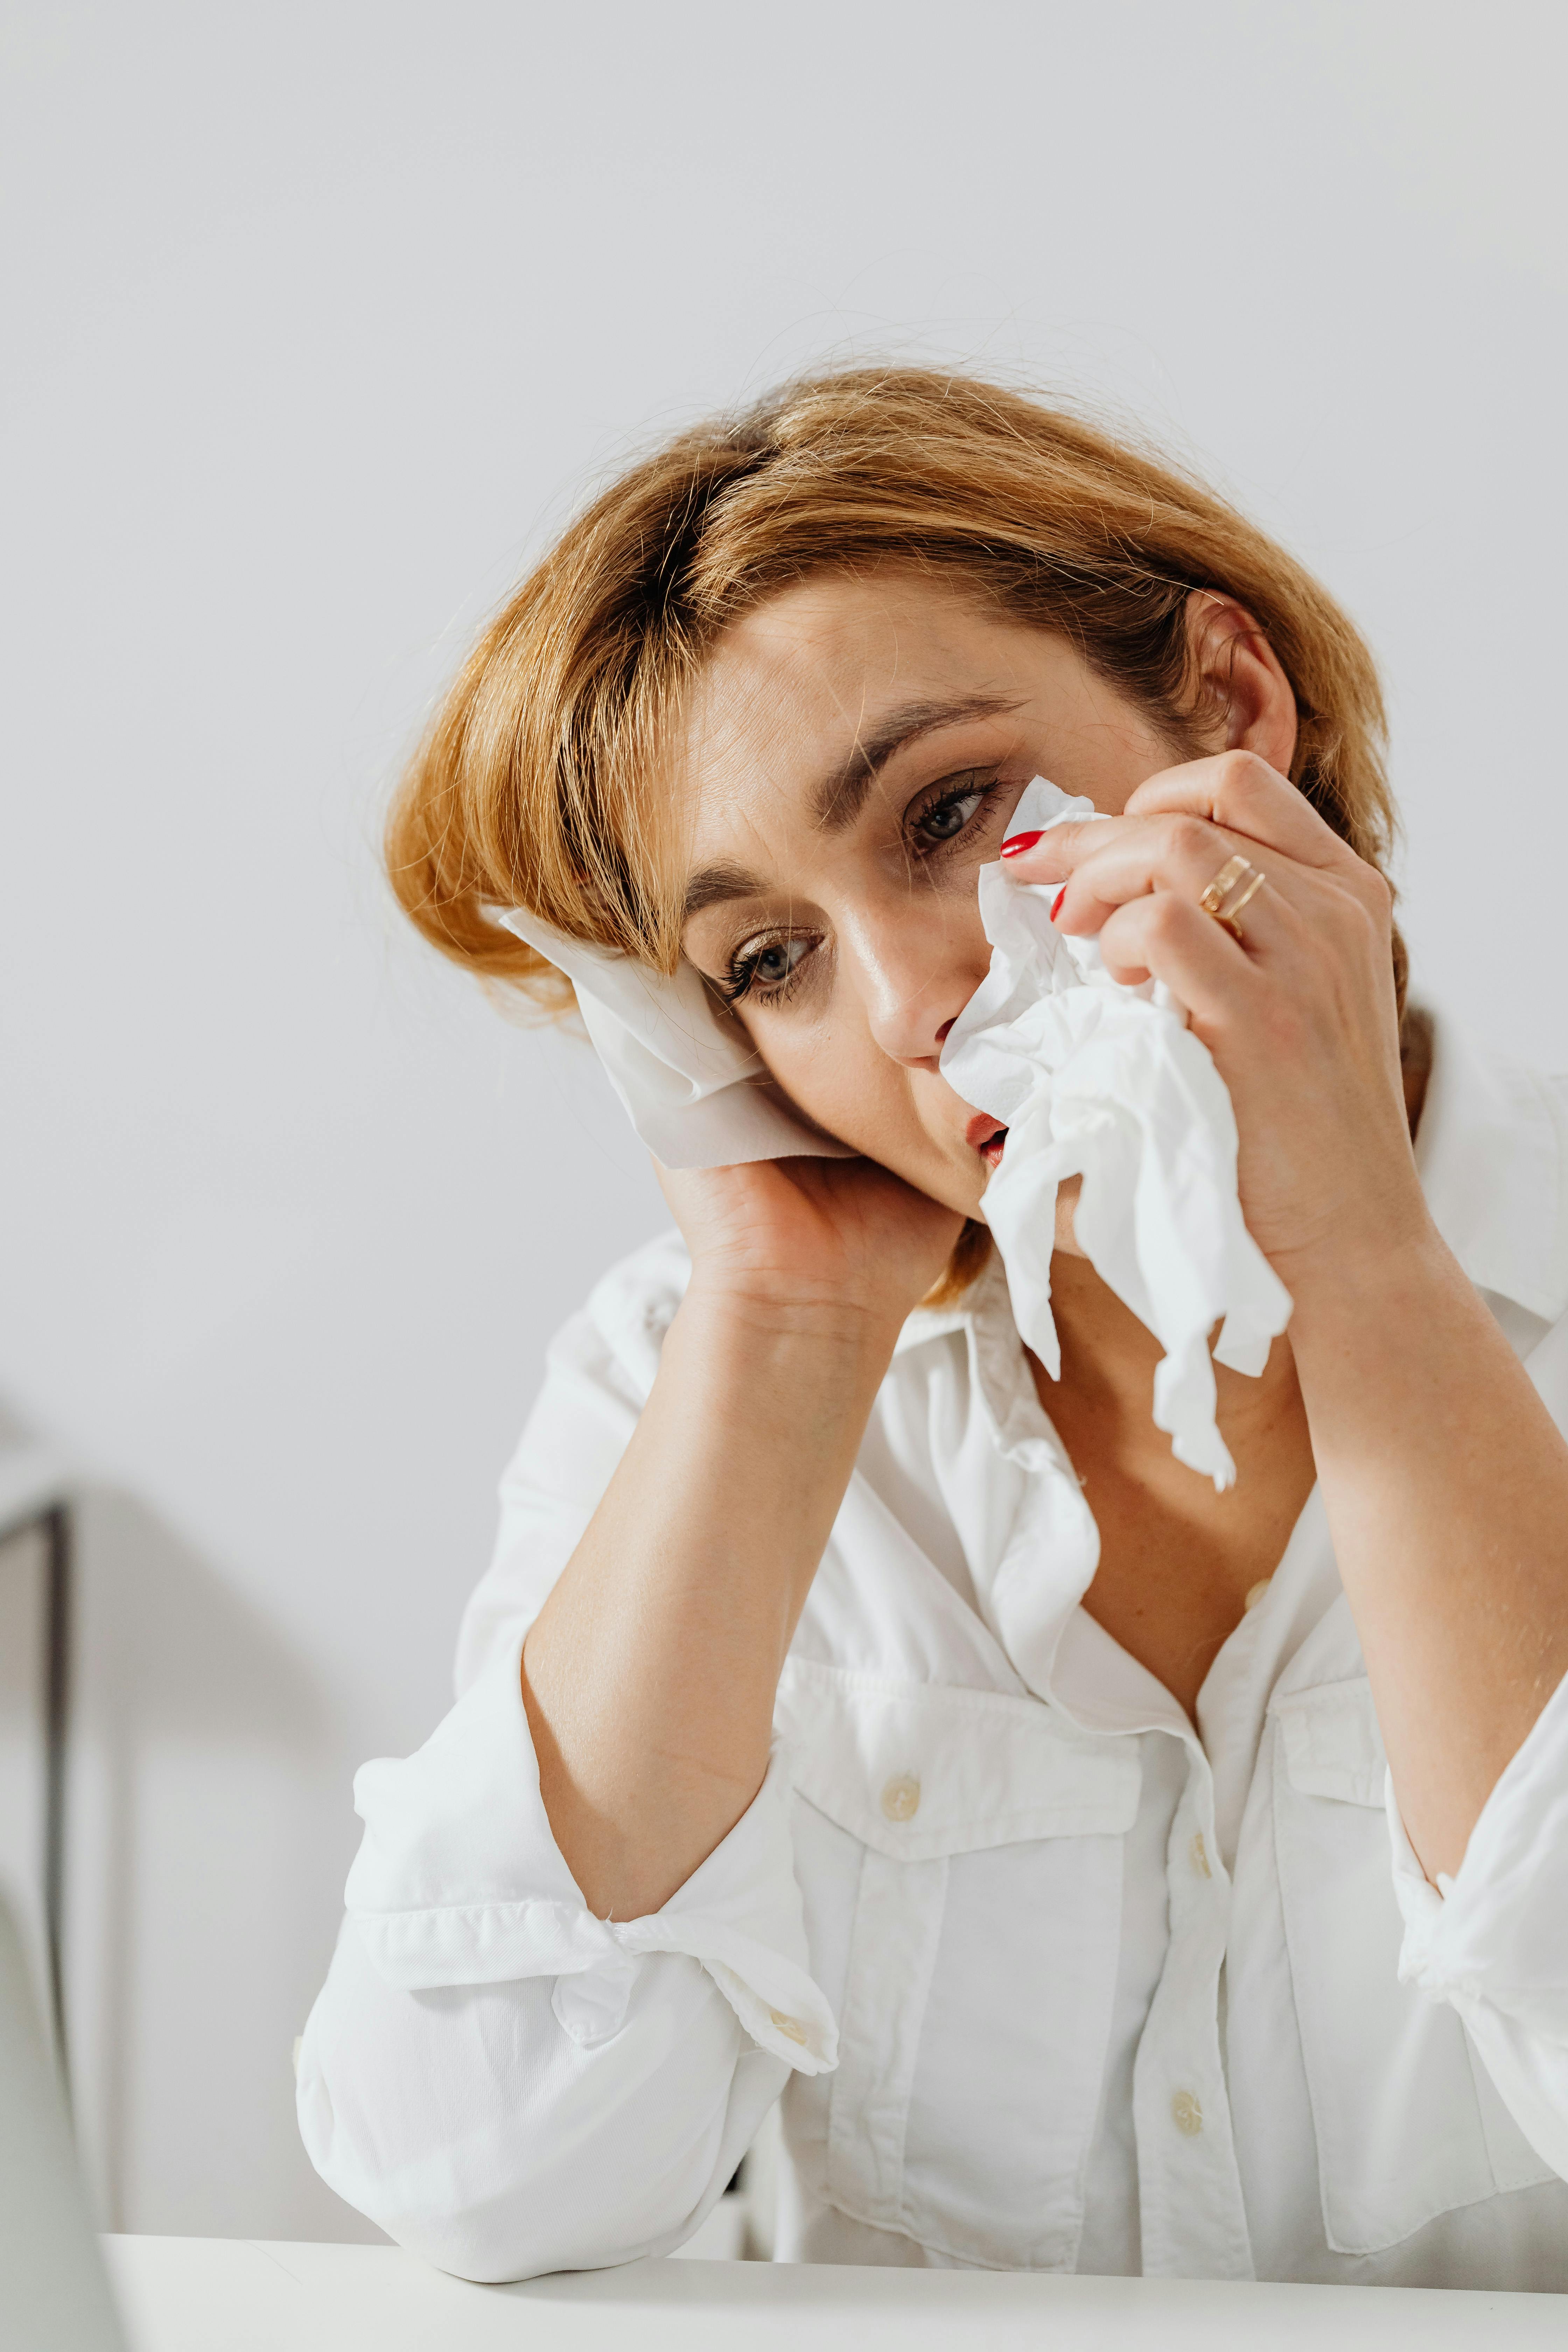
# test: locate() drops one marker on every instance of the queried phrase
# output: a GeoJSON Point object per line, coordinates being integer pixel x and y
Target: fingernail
{"type": "Point", "coordinates": [1020, 842]}
{"type": "Point", "coordinates": [1056, 901]}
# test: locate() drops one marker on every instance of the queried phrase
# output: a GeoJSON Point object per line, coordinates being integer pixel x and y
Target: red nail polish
{"type": "Point", "coordinates": [1055, 902]}
{"type": "Point", "coordinates": [1019, 843]}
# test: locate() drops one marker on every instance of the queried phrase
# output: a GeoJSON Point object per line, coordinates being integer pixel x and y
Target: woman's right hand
{"type": "Point", "coordinates": [838, 1244]}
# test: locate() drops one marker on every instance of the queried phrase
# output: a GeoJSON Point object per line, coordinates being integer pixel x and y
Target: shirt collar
{"type": "Point", "coordinates": [984, 1317]}
{"type": "Point", "coordinates": [1491, 1151]}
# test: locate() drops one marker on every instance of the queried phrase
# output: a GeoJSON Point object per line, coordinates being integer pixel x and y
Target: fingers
{"type": "Point", "coordinates": [1177, 834]}
{"type": "Point", "coordinates": [1108, 866]}
{"type": "Point", "coordinates": [1244, 796]}
{"type": "Point", "coordinates": [1169, 938]}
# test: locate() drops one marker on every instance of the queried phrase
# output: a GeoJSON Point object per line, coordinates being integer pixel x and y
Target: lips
{"type": "Point", "coordinates": [987, 1136]}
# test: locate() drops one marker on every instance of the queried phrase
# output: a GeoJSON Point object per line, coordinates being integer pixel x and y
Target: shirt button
{"type": "Point", "coordinates": [901, 1796]}
{"type": "Point", "coordinates": [1187, 2114]}
{"type": "Point", "coordinates": [1200, 1853]}
{"type": "Point", "coordinates": [790, 2027]}
{"type": "Point", "coordinates": [1256, 1592]}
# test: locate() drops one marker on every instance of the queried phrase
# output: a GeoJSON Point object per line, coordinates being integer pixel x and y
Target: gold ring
{"type": "Point", "coordinates": [1212, 898]}
{"type": "Point", "coordinates": [1234, 886]}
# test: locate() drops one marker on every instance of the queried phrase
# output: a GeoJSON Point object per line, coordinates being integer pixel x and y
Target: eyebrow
{"type": "Point", "coordinates": [841, 795]}
{"type": "Point", "coordinates": [710, 886]}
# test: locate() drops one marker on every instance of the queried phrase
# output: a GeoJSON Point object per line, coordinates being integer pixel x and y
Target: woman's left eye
{"type": "Point", "coordinates": [945, 819]}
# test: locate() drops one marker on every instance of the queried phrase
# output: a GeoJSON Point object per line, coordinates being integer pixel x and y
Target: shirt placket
{"type": "Point", "coordinates": [1194, 2221]}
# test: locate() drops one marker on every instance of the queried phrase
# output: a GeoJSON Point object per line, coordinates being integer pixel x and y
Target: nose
{"type": "Point", "coordinates": [914, 977]}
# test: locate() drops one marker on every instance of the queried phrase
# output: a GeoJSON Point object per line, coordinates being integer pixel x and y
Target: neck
{"type": "Point", "coordinates": [1108, 1361]}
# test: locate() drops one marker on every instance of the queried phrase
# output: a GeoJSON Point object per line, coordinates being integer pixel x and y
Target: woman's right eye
{"type": "Point", "coordinates": [766, 970]}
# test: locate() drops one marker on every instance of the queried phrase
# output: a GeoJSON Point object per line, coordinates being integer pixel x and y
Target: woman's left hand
{"type": "Point", "coordinates": [1300, 1016]}
{"type": "Point", "coordinates": [1444, 1479]}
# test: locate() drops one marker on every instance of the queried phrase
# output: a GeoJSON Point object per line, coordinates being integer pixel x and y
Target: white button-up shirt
{"type": "Point", "coordinates": [1046, 1977]}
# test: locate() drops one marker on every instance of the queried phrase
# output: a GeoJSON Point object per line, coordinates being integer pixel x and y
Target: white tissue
{"type": "Point", "coordinates": [698, 1094]}
{"type": "Point", "coordinates": [1108, 1082]}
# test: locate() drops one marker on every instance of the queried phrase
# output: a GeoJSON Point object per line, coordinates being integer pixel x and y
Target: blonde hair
{"type": "Point", "coordinates": [538, 782]}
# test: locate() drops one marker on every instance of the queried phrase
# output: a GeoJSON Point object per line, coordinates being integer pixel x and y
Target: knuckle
{"type": "Point", "coordinates": [1365, 912]}
{"type": "Point", "coordinates": [1244, 779]}
{"type": "Point", "coordinates": [1166, 918]}
{"type": "Point", "coordinates": [1192, 839]}
{"type": "Point", "coordinates": [1378, 891]}
{"type": "Point", "coordinates": [1238, 769]}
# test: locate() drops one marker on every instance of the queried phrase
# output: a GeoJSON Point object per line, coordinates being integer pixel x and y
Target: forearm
{"type": "Point", "coordinates": [1445, 1483]}
{"type": "Point", "coordinates": [650, 1676]}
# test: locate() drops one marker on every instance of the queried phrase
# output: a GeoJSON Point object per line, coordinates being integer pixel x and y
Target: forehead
{"type": "Point", "coordinates": [798, 681]}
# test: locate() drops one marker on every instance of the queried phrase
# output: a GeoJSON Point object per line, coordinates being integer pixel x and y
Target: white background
{"type": "Point", "coordinates": [317, 318]}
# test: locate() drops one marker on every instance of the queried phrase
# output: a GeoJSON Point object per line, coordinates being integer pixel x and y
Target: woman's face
{"type": "Point", "coordinates": [856, 749]}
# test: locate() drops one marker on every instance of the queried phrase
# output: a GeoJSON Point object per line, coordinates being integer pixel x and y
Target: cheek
{"type": "Point", "coordinates": [841, 1078]}
{"type": "Point", "coordinates": [847, 1085]}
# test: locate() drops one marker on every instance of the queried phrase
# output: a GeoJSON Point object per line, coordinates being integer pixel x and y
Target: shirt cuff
{"type": "Point", "coordinates": [458, 1880]}
{"type": "Point", "coordinates": [1497, 1932]}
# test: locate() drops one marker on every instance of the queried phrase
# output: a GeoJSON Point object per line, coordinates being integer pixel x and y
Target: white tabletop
{"type": "Point", "coordinates": [211, 2295]}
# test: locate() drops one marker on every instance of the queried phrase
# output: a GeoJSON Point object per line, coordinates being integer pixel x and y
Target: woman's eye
{"type": "Point", "coordinates": [768, 968]}
{"type": "Point", "coordinates": [949, 817]}
{"type": "Point", "coordinates": [773, 966]}
{"type": "Point", "coordinates": [945, 819]}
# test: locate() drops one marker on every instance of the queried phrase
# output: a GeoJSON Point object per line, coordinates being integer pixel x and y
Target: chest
{"type": "Point", "coordinates": [1175, 1578]}
{"type": "Point", "coordinates": [1179, 1563]}
{"type": "Point", "coordinates": [1024, 1933]}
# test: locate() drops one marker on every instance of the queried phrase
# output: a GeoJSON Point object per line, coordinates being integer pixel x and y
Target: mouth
{"type": "Point", "coordinates": [988, 1136]}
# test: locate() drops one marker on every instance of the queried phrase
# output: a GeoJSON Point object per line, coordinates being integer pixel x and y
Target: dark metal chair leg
{"type": "Point", "coordinates": [57, 1529]}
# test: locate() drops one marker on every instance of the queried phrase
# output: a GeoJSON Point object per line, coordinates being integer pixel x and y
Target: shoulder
{"type": "Point", "coordinates": [618, 1331]}
{"type": "Point", "coordinates": [1492, 1152]}
{"type": "Point", "coordinates": [599, 1368]}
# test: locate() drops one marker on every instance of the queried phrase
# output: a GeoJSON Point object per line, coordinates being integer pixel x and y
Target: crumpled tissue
{"type": "Point", "coordinates": [1096, 1080]}
{"type": "Point", "coordinates": [1090, 1078]}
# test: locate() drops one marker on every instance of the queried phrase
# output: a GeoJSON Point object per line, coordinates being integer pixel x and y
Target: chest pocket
{"type": "Point", "coordinates": [985, 1840]}
{"type": "Point", "coordinates": [1408, 2124]}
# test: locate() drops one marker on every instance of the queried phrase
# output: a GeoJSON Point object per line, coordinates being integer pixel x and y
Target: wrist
{"type": "Point", "coordinates": [1382, 1276]}
{"type": "Point", "coordinates": [837, 1330]}
{"type": "Point", "coordinates": [1379, 1230]}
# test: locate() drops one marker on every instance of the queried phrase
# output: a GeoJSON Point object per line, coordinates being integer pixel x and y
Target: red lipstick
{"type": "Point", "coordinates": [987, 1136]}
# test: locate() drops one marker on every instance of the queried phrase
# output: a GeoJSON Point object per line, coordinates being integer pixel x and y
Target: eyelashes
{"type": "Point", "coordinates": [746, 970]}
{"type": "Point", "coordinates": [949, 802]}
{"type": "Point", "coordinates": [948, 818]}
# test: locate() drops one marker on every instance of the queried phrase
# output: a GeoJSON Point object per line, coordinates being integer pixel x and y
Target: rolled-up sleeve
{"type": "Point", "coordinates": [1493, 1940]}
{"type": "Point", "coordinates": [508, 2084]}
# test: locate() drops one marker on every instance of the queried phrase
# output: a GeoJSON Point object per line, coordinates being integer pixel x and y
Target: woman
{"type": "Point", "coordinates": [853, 1713]}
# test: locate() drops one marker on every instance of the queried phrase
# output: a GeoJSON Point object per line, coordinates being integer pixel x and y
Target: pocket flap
{"type": "Point", "coordinates": [1332, 1744]}
{"type": "Point", "coordinates": [918, 1770]}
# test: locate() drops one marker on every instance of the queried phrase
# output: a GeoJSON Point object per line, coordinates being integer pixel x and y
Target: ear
{"type": "Point", "coordinates": [1244, 697]}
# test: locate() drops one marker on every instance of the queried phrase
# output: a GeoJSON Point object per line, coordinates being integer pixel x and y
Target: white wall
{"type": "Point", "coordinates": [317, 316]}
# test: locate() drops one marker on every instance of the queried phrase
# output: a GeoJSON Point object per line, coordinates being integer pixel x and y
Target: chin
{"type": "Point", "coordinates": [961, 1193]}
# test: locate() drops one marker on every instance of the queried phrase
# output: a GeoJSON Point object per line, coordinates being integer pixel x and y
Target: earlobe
{"type": "Point", "coordinates": [1241, 680]}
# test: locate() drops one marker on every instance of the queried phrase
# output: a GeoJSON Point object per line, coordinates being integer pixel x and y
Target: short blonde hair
{"type": "Point", "coordinates": [537, 783]}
